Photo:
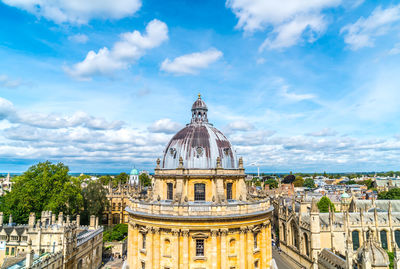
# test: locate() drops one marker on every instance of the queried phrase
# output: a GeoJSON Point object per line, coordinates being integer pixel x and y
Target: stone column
{"type": "Point", "coordinates": [268, 241]}
{"type": "Point", "coordinates": [250, 247]}
{"type": "Point", "coordinates": [133, 246]}
{"type": "Point", "coordinates": [175, 248]}
{"type": "Point", "coordinates": [149, 247]}
{"type": "Point", "coordinates": [265, 248]}
{"type": "Point", "coordinates": [214, 245]}
{"type": "Point", "coordinates": [185, 248]}
{"type": "Point", "coordinates": [224, 256]}
{"type": "Point", "coordinates": [242, 247]}
{"type": "Point", "coordinates": [156, 248]}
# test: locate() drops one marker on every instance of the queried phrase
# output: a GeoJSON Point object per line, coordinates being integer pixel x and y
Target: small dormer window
{"type": "Point", "coordinates": [172, 151]}
{"type": "Point", "coordinates": [199, 151]}
{"type": "Point", "coordinates": [227, 151]}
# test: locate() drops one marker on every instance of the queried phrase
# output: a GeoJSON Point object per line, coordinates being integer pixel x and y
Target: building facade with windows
{"type": "Point", "coordinates": [358, 237]}
{"type": "Point", "coordinates": [199, 213]}
{"type": "Point", "coordinates": [51, 242]}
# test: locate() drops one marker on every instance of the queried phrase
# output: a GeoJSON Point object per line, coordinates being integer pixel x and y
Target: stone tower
{"type": "Point", "coordinates": [315, 233]}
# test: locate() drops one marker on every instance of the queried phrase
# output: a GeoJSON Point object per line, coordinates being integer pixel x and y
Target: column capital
{"type": "Point", "coordinates": [156, 229]}
{"type": "Point", "coordinates": [243, 229]}
{"type": "Point", "coordinates": [224, 231]}
{"type": "Point", "coordinates": [175, 232]}
{"type": "Point", "coordinates": [185, 232]}
{"type": "Point", "coordinates": [214, 232]}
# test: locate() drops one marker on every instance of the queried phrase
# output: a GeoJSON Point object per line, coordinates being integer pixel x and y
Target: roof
{"type": "Point", "coordinates": [199, 144]}
{"type": "Point", "coordinates": [134, 172]}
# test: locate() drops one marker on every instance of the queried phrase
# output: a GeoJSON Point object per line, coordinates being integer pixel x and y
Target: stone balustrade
{"type": "Point", "coordinates": [199, 209]}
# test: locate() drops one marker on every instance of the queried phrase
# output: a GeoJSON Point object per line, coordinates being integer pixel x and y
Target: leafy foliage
{"type": "Point", "coordinates": [117, 233]}
{"type": "Point", "coordinates": [309, 183]}
{"type": "Point", "coordinates": [288, 179]}
{"type": "Point", "coordinates": [324, 204]}
{"type": "Point", "coordinates": [94, 200]}
{"type": "Point", "coordinates": [44, 186]}
{"type": "Point", "coordinates": [272, 183]}
{"type": "Point", "coordinates": [392, 194]}
{"type": "Point", "coordinates": [144, 179]}
{"type": "Point", "coordinates": [299, 182]}
{"type": "Point", "coordinates": [391, 258]}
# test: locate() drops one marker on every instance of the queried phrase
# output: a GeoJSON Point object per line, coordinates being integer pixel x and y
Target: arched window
{"type": "Point", "coordinates": [295, 235]}
{"type": "Point", "coordinates": [79, 264]}
{"type": "Point", "coordinates": [384, 239]}
{"type": "Point", "coordinates": [356, 239]}
{"type": "Point", "coordinates": [232, 246]}
{"type": "Point", "coordinates": [229, 191]}
{"type": "Point", "coordinates": [284, 232]}
{"type": "Point", "coordinates": [306, 246]}
{"type": "Point", "coordinates": [397, 237]}
{"type": "Point", "coordinates": [199, 192]}
{"type": "Point", "coordinates": [170, 191]}
{"type": "Point", "coordinates": [143, 241]}
{"type": "Point", "coordinates": [167, 247]}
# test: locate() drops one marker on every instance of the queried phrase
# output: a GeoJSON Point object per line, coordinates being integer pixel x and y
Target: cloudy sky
{"type": "Point", "coordinates": [102, 85]}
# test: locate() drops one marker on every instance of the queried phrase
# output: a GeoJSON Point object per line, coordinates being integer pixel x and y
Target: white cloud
{"type": "Point", "coordinates": [191, 63]}
{"type": "Point", "coordinates": [131, 47]}
{"type": "Point", "coordinates": [77, 11]}
{"type": "Point", "coordinates": [291, 96]}
{"type": "Point", "coordinates": [79, 38]}
{"type": "Point", "coordinates": [6, 82]}
{"type": "Point", "coordinates": [395, 50]}
{"type": "Point", "coordinates": [362, 33]}
{"type": "Point", "coordinates": [240, 125]}
{"type": "Point", "coordinates": [289, 19]}
{"type": "Point", "coordinates": [164, 126]}
{"type": "Point", "coordinates": [323, 132]}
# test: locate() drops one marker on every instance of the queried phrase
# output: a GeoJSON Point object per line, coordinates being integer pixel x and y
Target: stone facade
{"type": "Point", "coordinates": [200, 217]}
{"type": "Point", "coordinates": [304, 232]}
{"type": "Point", "coordinates": [51, 242]}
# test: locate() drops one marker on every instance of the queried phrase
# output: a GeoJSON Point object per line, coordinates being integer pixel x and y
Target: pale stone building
{"type": "Point", "coordinates": [51, 242]}
{"type": "Point", "coordinates": [200, 213]}
{"type": "Point", "coordinates": [358, 237]}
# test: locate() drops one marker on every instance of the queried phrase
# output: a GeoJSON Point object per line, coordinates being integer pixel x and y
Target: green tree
{"type": "Point", "coordinates": [299, 181]}
{"type": "Point", "coordinates": [105, 179]}
{"type": "Point", "coordinates": [94, 200]}
{"type": "Point", "coordinates": [44, 186]}
{"type": "Point", "coordinates": [122, 178]}
{"type": "Point", "coordinates": [393, 194]}
{"type": "Point", "coordinates": [144, 179]}
{"type": "Point", "coordinates": [117, 233]}
{"type": "Point", "coordinates": [272, 183]}
{"type": "Point", "coordinates": [309, 183]}
{"type": "Point", "coordinates": [324, 204]}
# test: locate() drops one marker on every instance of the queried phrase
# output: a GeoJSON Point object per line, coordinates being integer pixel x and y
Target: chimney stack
{"type": "Point", "coordinates": [1, 218]}
{"type": "Point", "coordinates": [78, 220]}
{"type": "Point", "coordinates": [92, 221]}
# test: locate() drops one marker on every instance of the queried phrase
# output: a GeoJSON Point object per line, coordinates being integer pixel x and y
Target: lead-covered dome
{"type": "Point", "coordinates": [199, 144]}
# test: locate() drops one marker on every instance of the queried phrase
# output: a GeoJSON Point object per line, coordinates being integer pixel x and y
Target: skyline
{"type": "Point", "coordinates": [102, 87]}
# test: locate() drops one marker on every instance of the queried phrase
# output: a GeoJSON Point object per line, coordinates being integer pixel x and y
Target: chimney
{"type": "Point", "coordinates": [53, 218]}
{"type": "Point", "coordinates": [32, 219]}
{"type": "Point", "coordinates": [29, 255]}
{"type": "Point", "coordinates": [78, 220]}
{"type": "Point", "coordinates": [60, 218]}
{"type": "Point", "coordinates": [97, 223]}
{"type": "Point", "coordinates": [92, 221]}
{"type": "Point", "coordinates": [10, 220]}
{"type": "Point", "coordinates": [68, 219]}
{"type": "Point", "coordinates": [1, 218]}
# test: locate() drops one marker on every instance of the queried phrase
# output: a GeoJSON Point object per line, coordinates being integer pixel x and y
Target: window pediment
{"type": "Point", "coordinates": [199, 236]}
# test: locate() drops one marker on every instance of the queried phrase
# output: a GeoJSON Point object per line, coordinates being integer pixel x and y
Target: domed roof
{"type": "Point", "coordinates": [199, 144]}
{"type": "Point", "coordinates": [345, 195]}
{"type": "Point", "coordinates": [134, 172]}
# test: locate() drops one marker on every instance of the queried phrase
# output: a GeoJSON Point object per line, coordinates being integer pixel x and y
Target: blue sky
{"type": "Point", "coordinates": [296, 86]}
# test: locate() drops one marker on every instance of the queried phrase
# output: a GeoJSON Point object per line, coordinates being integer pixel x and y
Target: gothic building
{"type": "Point", "coordinates": [357, 237]}
{"type": "Point", "coordinates": [199, 213]}
{"type": "Point", "coordinates": [50, 242]}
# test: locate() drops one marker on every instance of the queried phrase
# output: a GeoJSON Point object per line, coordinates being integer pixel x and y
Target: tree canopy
{"type": "Point", "coordinates": [272, 183]}
{"type": "Point", "coordinates": [309, 183]}
{"type": "Point", "coordinates": [299, 181]}
{"type": "Point", "coordinates": [117, 233]}
{"type": "Point", "coordinates": [94, 200]}
{"type": "Point", "coordinates": [144, 179]}
{"type": "Point", "coordinates": [44, 186]}
{"type": "Point", "coordinates": [392, 194]}
{"type": "Point", "coordinates": [324, 204]}
{"type": "Point", "coordinates": [288, 179]}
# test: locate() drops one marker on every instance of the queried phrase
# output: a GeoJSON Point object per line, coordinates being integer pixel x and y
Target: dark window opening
{"type": "Point", "coordinates": [255, 241]}
{"type": "Point", "coordinates": [199, 247]}
{"type": "Point", "coordinates": [143, 241]}
{"type": "Point", "coordinates": [199, 192]}
{"type": "Point", "coordinates": [170, 191]}
{"type": "Point", "coordinates": [356, 239]}
{"type": "Point", "coordinates": [229, 191]}
{"type": "Point", "coordinates": [384, 239]}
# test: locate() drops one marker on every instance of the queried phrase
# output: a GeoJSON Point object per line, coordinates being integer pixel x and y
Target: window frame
{"type": "Point", "coordinates": [200, 248]}
{"type": "Point", "coordinates": [199, 192]}
{"type": "Point", "coordinates": [229, 188]}
{"type": "Point", "coordinates": [170, 191]}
